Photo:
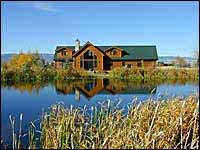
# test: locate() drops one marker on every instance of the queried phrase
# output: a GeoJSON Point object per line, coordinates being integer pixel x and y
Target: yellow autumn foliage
{"type": "Point", "coordinates": [18, 61]}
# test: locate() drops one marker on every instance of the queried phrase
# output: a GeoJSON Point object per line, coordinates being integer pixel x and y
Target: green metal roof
{"type": "Point", "coordinates": [60, 47]}
{"type": "Point", "coordinates": [138, 52]}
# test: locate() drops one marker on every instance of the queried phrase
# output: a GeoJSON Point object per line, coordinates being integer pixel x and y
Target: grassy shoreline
{"type": "Point", "coordinates": [137, 75]}
{"type": "Point", "coordinates": [173, 123]}
{"type": "Point", "coordinates": [31, 67]}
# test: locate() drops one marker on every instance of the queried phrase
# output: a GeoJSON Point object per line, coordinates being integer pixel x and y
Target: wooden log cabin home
{"type": "Point", "coordinates": [105, 58]}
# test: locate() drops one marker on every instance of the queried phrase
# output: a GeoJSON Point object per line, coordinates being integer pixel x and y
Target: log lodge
{"type": "Point", "coordinates": [105, 58]}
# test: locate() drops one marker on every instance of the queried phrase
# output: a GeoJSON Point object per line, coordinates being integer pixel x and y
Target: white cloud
{"type": "Point", "coordinates": [45, 6]}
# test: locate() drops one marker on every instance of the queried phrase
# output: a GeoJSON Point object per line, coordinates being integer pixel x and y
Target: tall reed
{"type": "Point", "coordinates": [16, 142]}
{"type": "Point", "coordinates": [169, 124]}
{"type": "Point", "coordinates": [151, 124]}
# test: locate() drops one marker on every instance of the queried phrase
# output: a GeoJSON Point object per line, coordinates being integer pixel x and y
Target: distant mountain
{"type": "Point", "coordinates": [6, 57]}
{"type": "Point", "coordinates": [49, 57]}
{"type": "Point", "coordinates": [45, 56]}
{"type": "Point", "coordinates": [173, 58]}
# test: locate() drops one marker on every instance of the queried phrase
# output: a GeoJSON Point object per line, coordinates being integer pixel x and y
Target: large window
{"type": "Point", "coordinates": [81, 62]}
{"type": "Point", "coordinates": [90, 53]}
{"type": "Point", "coordinates": [88, 60]}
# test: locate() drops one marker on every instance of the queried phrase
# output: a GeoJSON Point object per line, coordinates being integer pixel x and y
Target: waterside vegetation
{"type": "Point", "coordinates": [171, 124]}
{"type": "Point", "coordinates": [31, 67]}
{"type": "Point", "coordinates": [155, 74]}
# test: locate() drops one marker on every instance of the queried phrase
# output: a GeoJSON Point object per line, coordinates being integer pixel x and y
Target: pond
{"type": "Point", "coordinates": [31, 99]}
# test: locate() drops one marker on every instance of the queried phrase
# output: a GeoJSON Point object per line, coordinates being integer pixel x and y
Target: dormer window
{"type": "Point", "coordinates": [64, 53]}
{"type": "Point", "coordinates": [113, 52]}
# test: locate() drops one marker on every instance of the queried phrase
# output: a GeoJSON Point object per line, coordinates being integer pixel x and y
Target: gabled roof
{"type": "Point", "coordinates": [113, 47]}
{"type": "Point", "coordinates": [58, 48]}
{"type": "Point", "coordinates": [81, 48]}
{"type": "Point", "coordinates": [130, 52]}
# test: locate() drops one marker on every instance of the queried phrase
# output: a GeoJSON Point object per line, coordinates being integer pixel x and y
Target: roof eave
{"type": "Point", "coordinates": [121, 59]}
{"type": "Point", "coordinates": [76, 53]}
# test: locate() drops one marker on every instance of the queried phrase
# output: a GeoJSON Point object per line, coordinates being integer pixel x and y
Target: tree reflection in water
{"type": "Point", "coordinates": [26, 86]}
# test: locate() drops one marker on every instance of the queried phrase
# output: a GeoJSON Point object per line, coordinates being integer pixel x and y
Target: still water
{"type": "Point", "coordinates": [31, 99]}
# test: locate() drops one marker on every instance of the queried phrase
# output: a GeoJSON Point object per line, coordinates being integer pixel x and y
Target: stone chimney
{"type": "Point", "coordinates": [77, 45]}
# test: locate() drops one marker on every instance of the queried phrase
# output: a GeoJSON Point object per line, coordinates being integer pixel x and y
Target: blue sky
{"type": "Point", "coordinates": [172, 26]}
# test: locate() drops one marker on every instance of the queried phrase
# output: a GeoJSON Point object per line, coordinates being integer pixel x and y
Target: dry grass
{"type": "Point", "coordinates": [168, 124]}
{"type": "Point", "coordinates": [153, 124]}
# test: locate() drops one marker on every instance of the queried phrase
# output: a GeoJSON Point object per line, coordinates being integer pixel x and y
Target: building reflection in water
{"type": "Point", "coordinates": [91, 87]}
